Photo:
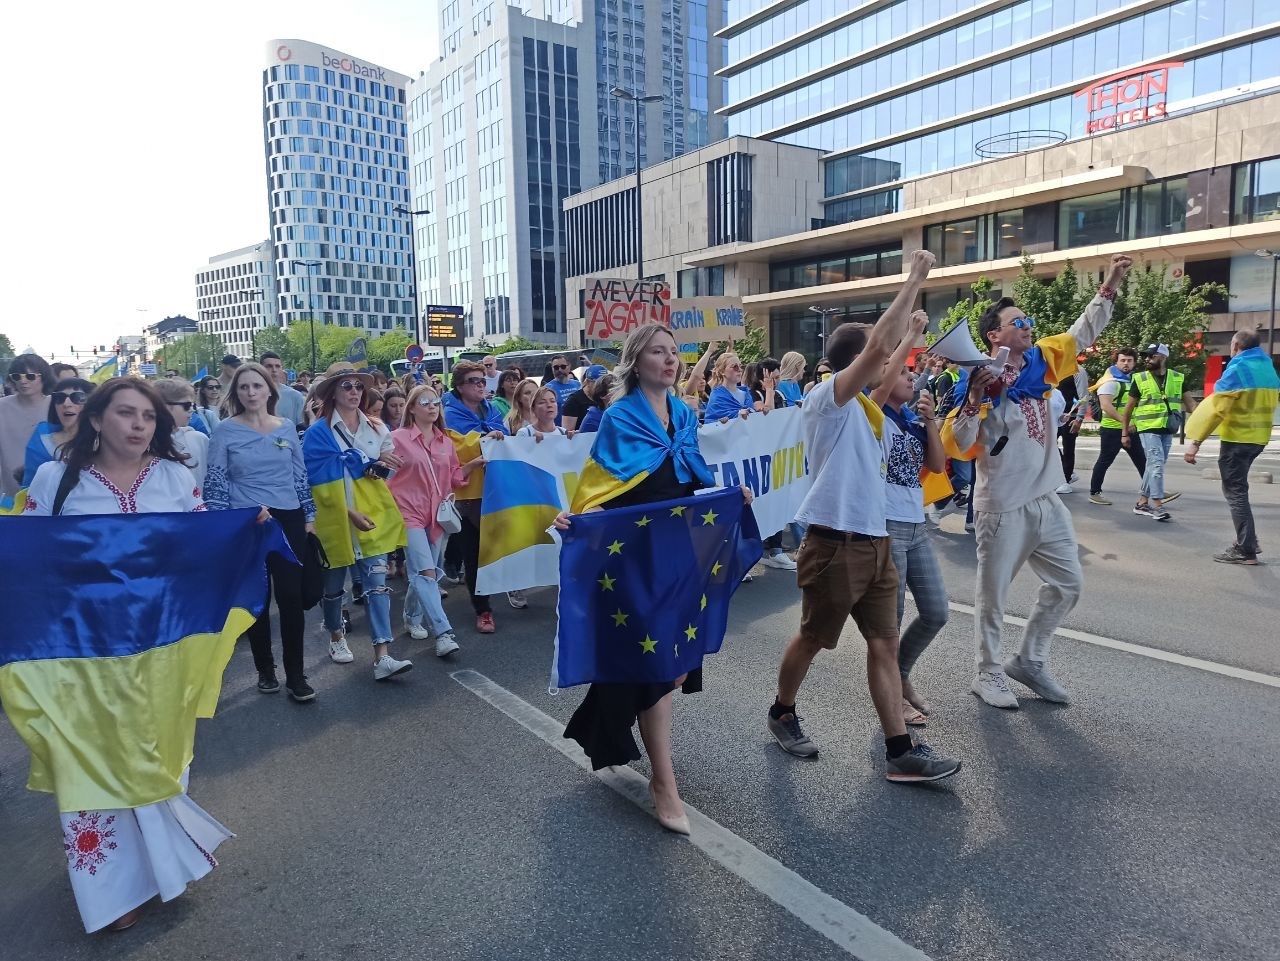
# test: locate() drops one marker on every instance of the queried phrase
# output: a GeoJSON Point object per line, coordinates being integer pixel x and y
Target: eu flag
{"type": "Point", "coordinates": [644, 591]}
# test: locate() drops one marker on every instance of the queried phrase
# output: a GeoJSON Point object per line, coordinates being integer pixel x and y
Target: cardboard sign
{"type": "Point", "coordinates": [446, 326]}
{"type": "Point", "coordinates": [615, 307]}
{"type": "Point", "coordinates": [701, 319]}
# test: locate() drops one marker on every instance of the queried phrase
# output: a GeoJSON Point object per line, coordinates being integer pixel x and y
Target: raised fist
{"type": "Point", "coordinates": [921, 263]}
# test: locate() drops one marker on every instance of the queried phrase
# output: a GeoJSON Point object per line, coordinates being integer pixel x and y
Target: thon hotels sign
{"type": "Point", "coordinates": [1132, 97]}
{"type": "Point", "coordinates": [336, 61]}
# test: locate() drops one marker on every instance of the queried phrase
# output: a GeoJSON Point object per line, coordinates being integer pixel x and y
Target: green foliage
{"type": "Point", "coordinates": [390, 346]}
{"type": "Point", "coordinates": [6, 346]}
{"type": "Point", "coordinates": [751, 348]}
{"type": "Point", "coordinates": [513, 343]}
{"type": "Point", "coordinates": [192, 352]}
{"type": "Point", "coordinates": [1054, 306]}
{"type": "Point", "coordinates": [966, 311]}
{"type": "Point", "coordinates": [273, 339]}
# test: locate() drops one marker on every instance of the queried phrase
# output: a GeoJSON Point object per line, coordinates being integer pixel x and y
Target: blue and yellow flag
{"type": "Point", "coordinates": [632, 443]}
{"type": "Point", "coordinates": [645, 590]}
{"type": "Point", "coordinates": [466, 429]}
{"type": "Point", "coordinates": [125, 633]}
{"type": "Point", "coordinates": [105, 371]}
{"type": "Point", "coordinates": [1242, 406]}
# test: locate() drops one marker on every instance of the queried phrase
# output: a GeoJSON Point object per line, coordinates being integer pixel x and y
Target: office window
{"type": "Point", "coordinates": [1159, 208]}
{"type": "Point", "coordinates": [1256, 191]}
{"type": "Point", "coordinates": [687, 283]}
{"type": "Point", "coordinates": [1091, 220]}
{"type": "Point", "coordinates": [1008, 233]}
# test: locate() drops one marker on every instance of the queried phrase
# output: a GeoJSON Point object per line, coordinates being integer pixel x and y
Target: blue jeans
{"type": "Point", "coordinates": [423, 597]}
{"type": "Point", "coordinates": [1156, 447]}
{"type": "Point", "coordinates": [372, 572]}
{"type": "Point", "coordinates": [917, 569]}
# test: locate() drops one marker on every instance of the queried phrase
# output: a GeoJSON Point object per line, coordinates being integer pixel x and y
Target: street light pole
{"type": "Point", "coordinates": [824, 313]}
{"type": "Point", "coordinates": [413, 253]}
{"type": "Point", "coordinates": [309, 264]}
{"type": "Point", "coordinates": [1275, 268]}
{"type": "Point", "coordinates": [623, 94]}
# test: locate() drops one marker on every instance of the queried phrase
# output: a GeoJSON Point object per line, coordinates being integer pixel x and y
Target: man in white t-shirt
{"type": "Point", "coordinates": [845, 565]}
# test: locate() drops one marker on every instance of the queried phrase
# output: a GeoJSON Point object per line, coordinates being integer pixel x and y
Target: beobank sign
{"type": "Point", "coordinates": [345, 64]}
{"type": "Point", "coordinates": [1132, 97]}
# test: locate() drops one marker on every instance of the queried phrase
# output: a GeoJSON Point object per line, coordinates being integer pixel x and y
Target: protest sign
{"type": "Point", "coordinates": [615, 307]}
{"type": "Point", "coordinates": [702, 319]}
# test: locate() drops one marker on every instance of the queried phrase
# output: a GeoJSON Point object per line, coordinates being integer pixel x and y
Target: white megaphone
{"type": "Point", "coordinates": [957, 345]}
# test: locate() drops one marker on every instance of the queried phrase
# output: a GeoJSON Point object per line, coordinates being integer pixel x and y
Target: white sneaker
{"type": "Point", "coordinates": [416, 631]}
{"type": "Point", "coordinates": [992, 687]}
{"type": "Point", "coordinates": [1064, 489]}
{"type": "Point", "coordinates": [747, 578]}
{"type": "Point", "coordinates": [779, 562]}
{"type": "Point", "coordinates": [517, 600]}
{"type": "Point", "coordinates": [1074, 477]}
{"type": "Point", "coordinates": [968, 526]}
{"type": "Point", "coordinates": [933, 515]}
{"type": "Point", "coordinates": [387, 666]}
{"type": "Point", "coordinates": [445, 644]}
{"type": "Point", "coordinates": [339, 653]}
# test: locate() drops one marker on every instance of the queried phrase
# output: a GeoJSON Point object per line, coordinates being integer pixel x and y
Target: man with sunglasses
{"type": "Point", "coordinates": [1002, 421]}
{"type": "Point", "coordinates": [562, 383]}
{"type": "Point", "coordinates": [31, 379]}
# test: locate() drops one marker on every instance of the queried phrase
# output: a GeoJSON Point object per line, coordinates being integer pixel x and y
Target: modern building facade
{"type": "Point", "coordinates": [236, 296]}
{"type": "Point", "coordinates": [337, 162]}
{"type": "Point", "coordinates": [898, 90]}
{"type": "Point", "coordinates": [737, 191]}
{"type": "Point", "coordinates": [517, 116]}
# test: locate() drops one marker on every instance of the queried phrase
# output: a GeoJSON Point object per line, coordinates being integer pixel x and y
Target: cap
{"type": "Point", "coordinates": [1160, 349]}
{"type": "Point", "coordinates": [231, 360]}
{"type": "Point", "coordinates": [595, 371]}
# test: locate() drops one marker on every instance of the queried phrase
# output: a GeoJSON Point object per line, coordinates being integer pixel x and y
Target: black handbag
{"type": "Point", "coordinates": [315, 564]}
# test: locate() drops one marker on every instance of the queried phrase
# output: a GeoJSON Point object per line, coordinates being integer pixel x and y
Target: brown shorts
{"type": "Point", "coordinates": [843, 577]}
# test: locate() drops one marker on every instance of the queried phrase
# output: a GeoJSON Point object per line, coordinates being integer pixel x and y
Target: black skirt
{"type": "Point", "coordinates": [603, 721]}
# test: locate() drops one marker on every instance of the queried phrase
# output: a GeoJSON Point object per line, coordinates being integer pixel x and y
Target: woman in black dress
{"type": "Point", "coordinates": [649, 369]}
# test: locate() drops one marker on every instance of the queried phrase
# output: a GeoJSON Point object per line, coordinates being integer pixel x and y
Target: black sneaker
{"type": "Point", "coordinates": [301, 690]}
{"type": "Point", "coordinates": [1143, 510]}
{"type": "Point", "coordinates": [791, 737]}
{"type": "Point", "coordinates": [267, 683]}
{"type": "Point", "coordinates": [921, 763]}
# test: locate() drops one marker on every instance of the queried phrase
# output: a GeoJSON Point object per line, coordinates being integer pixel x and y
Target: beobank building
{"type": "Point", "coordinates": [337, 163]}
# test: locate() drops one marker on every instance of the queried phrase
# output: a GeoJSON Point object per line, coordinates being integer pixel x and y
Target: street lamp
{"type": "Point", "coordinates": [413, 253]}
{"type": "Point", "coordinates": [309, 264]}
{"type": "Point", "coordinates": [1275, 265]}
{"type": "Point", "coordinates": [245, 297]}
{"type": "Point", "coordinates": [622, 94]}
{"type": "Point", "coordinates": [824, 313]}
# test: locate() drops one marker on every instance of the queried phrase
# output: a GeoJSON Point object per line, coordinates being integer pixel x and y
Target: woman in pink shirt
{"type": "Point", "coordinates": [430, 475]}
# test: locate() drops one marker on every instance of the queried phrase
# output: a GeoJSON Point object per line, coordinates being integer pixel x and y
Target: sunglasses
{"type": "Point", "coordinates": [428, 403]}
{"type": "Point", "coordinates": [474, 381]}
{"type": "Point", "coordinates": [1021, 323]}
{"type": "Point", "coordinates": [213, 387]}
{"type": "Point", "coordinates": [351, 385]}
{"type": "Point", "coordinates": [18, 375]}
{"type": "Point", "coordinates": [184, 404]}
{"type": "Point", "coordinates": [559, 366]}
{"type": "Point", "coordinates": [75, 396]}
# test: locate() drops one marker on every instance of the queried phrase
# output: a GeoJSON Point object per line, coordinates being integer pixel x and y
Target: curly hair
{"type": "Point", "coordinates": [79, 451]}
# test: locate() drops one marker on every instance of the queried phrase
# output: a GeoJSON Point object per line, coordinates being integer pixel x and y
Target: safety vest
{"type": "Point", "coordinates": [1154, 407]}
{"type": "Point", "coordinates": [1117, 400]}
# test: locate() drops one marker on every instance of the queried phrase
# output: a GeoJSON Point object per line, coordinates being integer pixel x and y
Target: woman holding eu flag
{"type": "Point", "coordinates": [645, 451]}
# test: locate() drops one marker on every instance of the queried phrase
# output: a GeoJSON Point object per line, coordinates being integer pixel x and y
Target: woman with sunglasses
{"type": "Point", "coordinates": [821, 372]}
{"type": "Point", "coordinates": [65, 404]}
{"type": "Point", "coordinates": [32, 380]}
{"type": "Point", "coordinates": [255, 460]}
{"type": "Point", "coordinates": [180, 398]}
{"type": "Point", "coordinates": [728, 397]}
{"type": "Point", "coordinates": [208, 400]}
{"type": "Point", "coordinates": [430, 475]}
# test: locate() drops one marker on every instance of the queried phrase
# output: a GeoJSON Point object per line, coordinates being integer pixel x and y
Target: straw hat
{"type": "Point", "coordinates": [337, 373]}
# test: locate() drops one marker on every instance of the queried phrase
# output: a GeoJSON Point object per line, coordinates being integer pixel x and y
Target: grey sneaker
{"type": "Point", "coordinates": [388, 667]}
{"type": "Point", "coordinates": [1099, 500]}
{"type": "Point", "coordinates": [446, 644]}
{"type": "Point", "coordinates": [992, 688]}
{"type": "Point", "coordinates": [921, 763]}
{"type": "Point", "coordinates": [1035, 675]}
{"type": "Point", "coordinates": [791, 737]}
{"type": "Point", "coordinates": [1143, 510]}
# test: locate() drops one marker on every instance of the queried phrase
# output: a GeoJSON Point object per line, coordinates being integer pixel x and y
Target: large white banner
{"type": "Point", "coordinates": [528, 482]}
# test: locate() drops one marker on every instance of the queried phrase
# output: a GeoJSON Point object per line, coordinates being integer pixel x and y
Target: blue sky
{"type": "Point", "coordinates": [134, 147]}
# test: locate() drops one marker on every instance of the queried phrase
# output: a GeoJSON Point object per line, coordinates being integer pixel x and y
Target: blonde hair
{"type": "Point", "coordinates": [411, 408]}
{"type": "Point", "coordinates": [231, 406]}
{"type": "Point", "coordinates": [626, 377]}
{"type": "Point", "coordinates": [536, 397]}
{"type": "Point", "coordinates": [721, 365]}
{"type": "Point", "coordinates": [174, 391]}
{"type": "Point", "coordinates": [521, 413]}
{"type": "Point", "coordinates": [792, 366]}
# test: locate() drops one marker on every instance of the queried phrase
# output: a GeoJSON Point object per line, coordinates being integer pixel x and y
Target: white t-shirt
{"type": "Point", "coordinates": [1109, 388]}
{"type": "Point", "coordinates": [904, 497]}
{"type": "Point", "coordinates": [163, 486]}
{"type": "Point", "coordinates": [528, 430]}
{"type": "Point", "coordinates": [195, 445]}
{"type": "Point", "coordinates": [847, 459]}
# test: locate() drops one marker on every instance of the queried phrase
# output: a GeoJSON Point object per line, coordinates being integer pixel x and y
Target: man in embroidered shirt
{"type": "Point", "coordinates": [1003, 422]}
{"type": "Point", "coordinates": [845, 562]}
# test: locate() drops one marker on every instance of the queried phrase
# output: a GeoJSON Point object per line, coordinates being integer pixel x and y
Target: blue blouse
{"type": "Point", "coordinates": [728, 402]}
{"type": "Point", "coordinates": [249, 469]}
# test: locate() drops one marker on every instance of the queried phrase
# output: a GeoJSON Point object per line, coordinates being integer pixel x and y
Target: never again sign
{"type": "Point", "coordinates": [615, 307]}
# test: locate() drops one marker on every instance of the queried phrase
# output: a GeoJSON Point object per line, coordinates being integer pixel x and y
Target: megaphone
{"type": "Point", "coordinates": [957, 345]}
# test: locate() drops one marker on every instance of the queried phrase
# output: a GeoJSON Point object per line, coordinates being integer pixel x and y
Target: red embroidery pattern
{"type": "Point", "coordinates": [1034, 411]}
{"type": "Point", "coordinates": [30, 505]}
{"type": "Point", "coordinates": [87, 839]}
{"type": "Point", "coordinates": [128, 500]}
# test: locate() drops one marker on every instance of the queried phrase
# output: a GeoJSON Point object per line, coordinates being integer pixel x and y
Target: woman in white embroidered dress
{"type": "Point", "coordinates": [126, 463]}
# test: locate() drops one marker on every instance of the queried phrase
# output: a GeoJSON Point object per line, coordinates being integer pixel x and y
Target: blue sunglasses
{"type": "Point", "coordinates": [1022, 323]}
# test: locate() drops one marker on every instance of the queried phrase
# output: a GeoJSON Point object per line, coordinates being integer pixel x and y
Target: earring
{"type": "Point", "coordinates": [95, 442]}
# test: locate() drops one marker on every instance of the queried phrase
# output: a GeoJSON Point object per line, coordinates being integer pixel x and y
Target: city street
{"type": "Point", "coordinates": [438, 815]}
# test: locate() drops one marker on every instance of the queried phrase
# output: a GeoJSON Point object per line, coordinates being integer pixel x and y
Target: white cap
{"type": "Point", "coordinates": [1161, 349]}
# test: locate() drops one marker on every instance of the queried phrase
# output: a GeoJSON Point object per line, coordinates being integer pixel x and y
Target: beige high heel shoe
{"type": "Point", "coordinates": [678, 825]}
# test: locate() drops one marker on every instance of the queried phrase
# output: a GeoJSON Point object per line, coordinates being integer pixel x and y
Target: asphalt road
{"type": "Point", "coordinates": [414, 820]}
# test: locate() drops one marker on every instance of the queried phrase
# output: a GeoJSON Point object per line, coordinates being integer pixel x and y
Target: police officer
{"type": "Point", "coordinates": [1156, 403]}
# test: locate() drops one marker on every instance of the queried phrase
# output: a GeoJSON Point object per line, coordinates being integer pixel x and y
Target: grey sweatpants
{"type": "Point", "coordinates": [1039, 533]}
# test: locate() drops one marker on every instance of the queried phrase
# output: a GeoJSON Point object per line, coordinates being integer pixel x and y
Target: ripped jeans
{"type": "Point", "coordinates": [422, 600]}
{"type": "Point", "coordinates": [372, 572]}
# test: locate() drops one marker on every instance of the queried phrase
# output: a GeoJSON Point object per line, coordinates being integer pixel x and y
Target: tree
{"type": "Point", "coordinates": [274, 339]}
{"type": "Point", "coordinates": [383, 350]}
{"type": "Point", "coordinates": [514, 343]}
{"type": "Point", "coordinates": [6, 346]}
{"type": "Point", "coordinates": [188, 354]}
{"type": "Point", "coordinates": [751, 347]}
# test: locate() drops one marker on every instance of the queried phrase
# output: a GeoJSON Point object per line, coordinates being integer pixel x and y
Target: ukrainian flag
{"type": "Point", "coordinates": [329, 469]}
{"type": "Point", "coordinates": [466, 429]}
{"type": "Point", "coordinates": [632, 443]}
{"type": "Point", "coordinates": [1243, 402]}
{"type": "Point", "coordinates": [125, 624]}
{"type": "Point", "coordinates": [104, 372]}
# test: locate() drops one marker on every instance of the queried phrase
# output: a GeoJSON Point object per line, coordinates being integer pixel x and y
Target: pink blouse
{"type": "Point", "coordinates": [431, 472]}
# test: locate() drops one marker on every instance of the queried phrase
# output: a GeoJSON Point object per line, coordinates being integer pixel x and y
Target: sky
{"type": "Point", "coordinates": [136, 150]}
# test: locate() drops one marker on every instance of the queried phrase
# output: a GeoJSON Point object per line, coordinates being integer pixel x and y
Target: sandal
{"type": "Point", "coordinates": [911, 717]}
{"type": "Point", "coordinates": [125, 921]}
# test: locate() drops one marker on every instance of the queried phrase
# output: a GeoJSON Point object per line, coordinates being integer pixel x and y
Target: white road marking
{"type": "Point", "coordinates": [1226, 670]}
{"type": "Point", "coordinates": [842, 925]}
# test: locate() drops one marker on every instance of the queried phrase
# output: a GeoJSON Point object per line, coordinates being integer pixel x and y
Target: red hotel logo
{"type": "Point", "coordinates": [1128, 97]}
{"type": "Point", "coordinates": [283, 52]}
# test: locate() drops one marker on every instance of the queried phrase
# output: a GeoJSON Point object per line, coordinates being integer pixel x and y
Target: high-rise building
{"type": "Point", "coordinates": [904, 89]}
{"type": "Point", "coordinates": [236, 296]}
{"type": "Point", "coordinates": [336, 141]}
{"type": "Point", "coordinates": [517, 115]}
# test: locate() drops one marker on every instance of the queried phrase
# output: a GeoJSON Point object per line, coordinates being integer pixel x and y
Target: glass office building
{"type": "Point", "coordinates": [901, 90]}
{"type": "Point", "coordinates": [337, 162]}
